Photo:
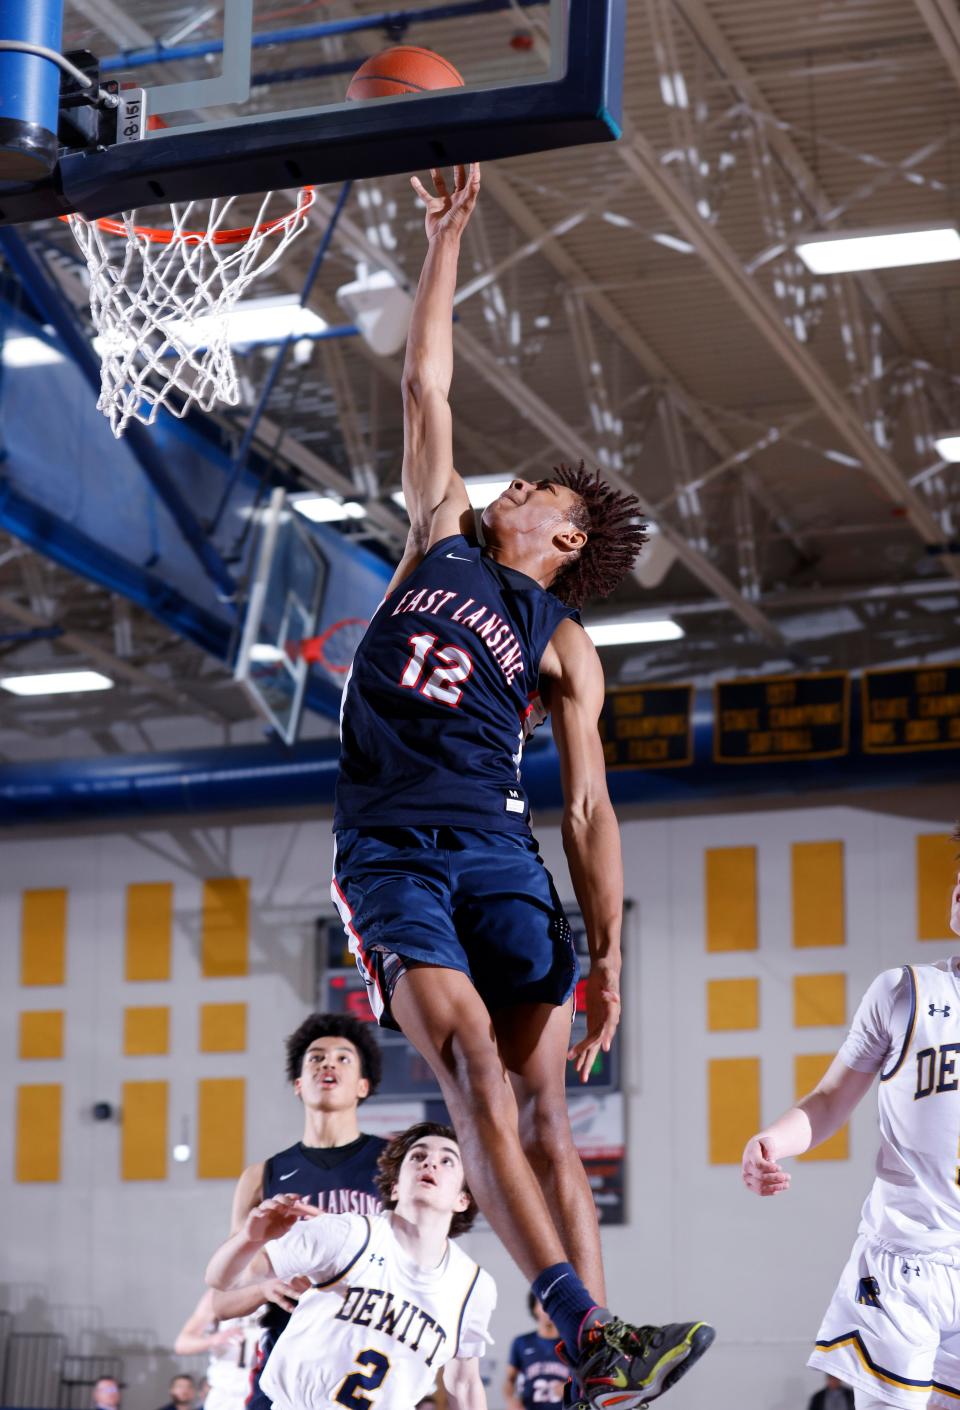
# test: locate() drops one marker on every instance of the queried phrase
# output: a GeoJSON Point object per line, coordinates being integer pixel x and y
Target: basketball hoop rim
{"type": "Point", "coordinates": [306, 196]}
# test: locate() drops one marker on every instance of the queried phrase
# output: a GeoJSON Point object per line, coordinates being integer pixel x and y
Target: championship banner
{"type": "Point", "coordinates": [911, 708]}
{"type": "Point", "coordinates": [774, 718]}
{"type": "Point", "coordinates": [647, 726]}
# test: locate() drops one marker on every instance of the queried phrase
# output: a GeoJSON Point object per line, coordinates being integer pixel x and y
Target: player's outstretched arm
{"type": "Point", "coordinates": [434, 493]}
{"type": "Point", "coordinates": [813, 1120]}
{"type": "Point", "coordinates": [464, 1387]}
{"type": "Point", "coordinates": [572, 681]}
{"type": "Point", "coordinates": [270, 1220]}
{"type": "Point", "coordinates": [200, 1332]}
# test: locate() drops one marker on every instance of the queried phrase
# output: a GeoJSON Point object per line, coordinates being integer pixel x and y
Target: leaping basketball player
{"type": "Point", "coordinates": [893, 1328]}
{"type": "Point", "coordinates": [453, 917]}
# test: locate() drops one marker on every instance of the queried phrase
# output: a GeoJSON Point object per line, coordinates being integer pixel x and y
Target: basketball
{"type": "Point", "coordinates": [403, 69]}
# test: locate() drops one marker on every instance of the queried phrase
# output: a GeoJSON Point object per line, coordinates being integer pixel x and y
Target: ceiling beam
{"type": "Point", "coordinates": [642, 158]}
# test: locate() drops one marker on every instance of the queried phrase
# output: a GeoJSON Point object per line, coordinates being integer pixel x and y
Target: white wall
{"type": "Point", "coordinates": [129, 1257]}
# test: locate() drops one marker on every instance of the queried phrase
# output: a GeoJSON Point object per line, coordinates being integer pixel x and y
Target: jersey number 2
{"type": "Point", "coordinates": [348, 1392]}
{"type": "Point", "coordinates": [443, 681]}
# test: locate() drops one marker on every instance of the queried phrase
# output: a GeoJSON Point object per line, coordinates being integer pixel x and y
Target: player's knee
{"type": "Point", "coordinates": [480, 1079]}
{"type": "Point", "coordinates": [545, 1128]}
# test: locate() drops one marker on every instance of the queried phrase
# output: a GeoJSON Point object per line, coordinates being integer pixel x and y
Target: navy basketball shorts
{"type": "Point", "coordinates": [470, 899]}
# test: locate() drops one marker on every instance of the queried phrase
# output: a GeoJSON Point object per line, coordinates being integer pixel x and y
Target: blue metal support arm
{"type": "Point", "coordinates": [54, 309]}
{"type": "Point", "coordinates": [393, 21]}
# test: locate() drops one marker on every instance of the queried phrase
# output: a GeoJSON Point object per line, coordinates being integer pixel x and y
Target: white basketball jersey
{"type": "Point", "coordinates": [228, 1371]}
{"type": "Point", "coordinates": [377, 1331]}
{"type": "Point", "coordinates": [914, 1204]}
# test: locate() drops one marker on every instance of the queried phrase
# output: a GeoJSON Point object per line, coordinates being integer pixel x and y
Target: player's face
{"type": "Point", "coordinates": [431, 1176]}
{"type": "Point", "coordinates": [955, 907]}
{"type": "Point", "coordinates": [331, 1075]}
{"type": "Point", "coordinates": [106, 1393]}
{"type": "Point", "coordinates": [530, 512]}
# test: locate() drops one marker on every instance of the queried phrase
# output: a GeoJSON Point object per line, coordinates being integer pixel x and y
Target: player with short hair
{"type": "Point", "coordinates": [536, 1375]}
{"type": "Point", "coordinates": [333, 1063]}
{"type": "Point", "coordinates": [394, 1300]}
{"type": "Point", "coordinates": [454, 920]}
{"type": "Point", "coordinates": [892, 1330]}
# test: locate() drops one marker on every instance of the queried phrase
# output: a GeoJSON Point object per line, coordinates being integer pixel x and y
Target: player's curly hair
{"type": "Point", "coordinates": [336, 1025]}
{"type": "Point", "coordinates": [392, 1157]}
{"type": "Point", "coordinates": [615, 533]}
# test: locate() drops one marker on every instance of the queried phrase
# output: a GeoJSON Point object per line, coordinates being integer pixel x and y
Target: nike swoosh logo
{"type": "Point", "coordinates": [288, 1177]}
{"type": "Point", "coordinates": [556, 1283]}
{"type": "Point", "coordinates": [459, 557]}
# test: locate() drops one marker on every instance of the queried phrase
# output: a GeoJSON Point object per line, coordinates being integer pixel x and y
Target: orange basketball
{"type": "Point", "coordinates": [403, 69]}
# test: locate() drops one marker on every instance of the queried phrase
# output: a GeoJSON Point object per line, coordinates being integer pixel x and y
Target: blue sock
{"type": "Point", "coordinates": [566, 1302]}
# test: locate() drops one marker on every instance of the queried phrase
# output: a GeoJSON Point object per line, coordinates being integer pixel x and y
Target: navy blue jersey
{"type": "Point", "coordinates": [443, 693]}
{"type": "Point", "coordinates": [339, 1180]}
{"type": "Point", "coordinates": [541, 1374]}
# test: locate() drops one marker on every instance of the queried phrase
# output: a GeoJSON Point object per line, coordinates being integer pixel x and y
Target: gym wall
{"type": "Point", "coordinates": [749, 940]}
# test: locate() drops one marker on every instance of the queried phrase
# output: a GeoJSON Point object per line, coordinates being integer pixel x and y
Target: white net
{"type": "Point", "coordinates": [161, 302]}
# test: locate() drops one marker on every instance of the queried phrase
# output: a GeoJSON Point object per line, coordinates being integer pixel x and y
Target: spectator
{"type": "Point", "coordinates": [106, 1394]}
{"type": "Point", "coordinates": [183, 1393]}
{"type": "Point", "coordinates": [833, 1395]}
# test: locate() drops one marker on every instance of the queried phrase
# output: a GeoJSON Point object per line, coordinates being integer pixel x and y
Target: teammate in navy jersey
{"type": "Point", "coordinates": [453, 918]}
{"type": "Point", "coordinates": [334, 1063]}
{"type": "Point", "coordinates": [536, 1375]}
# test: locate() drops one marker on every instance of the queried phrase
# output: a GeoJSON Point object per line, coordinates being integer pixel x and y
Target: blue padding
{"type": "Point", "coordinates": [30, 86]}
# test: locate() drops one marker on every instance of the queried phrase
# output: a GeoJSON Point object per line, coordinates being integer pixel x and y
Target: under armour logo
{"type": "Point", "coordinates": [945, 1011]}
{"type": "Point", "coordinates": [377, 1258]}
{"type": "Point", "coordinates": [909, 1268]}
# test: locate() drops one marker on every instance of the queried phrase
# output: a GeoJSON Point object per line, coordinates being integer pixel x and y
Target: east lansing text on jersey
{"type": "Point", "coordinates": [345, 1202]}
{"type": "Point", "coordinates": [493, 630]}
{"type": "Point", "coordinates": [403, 1320]}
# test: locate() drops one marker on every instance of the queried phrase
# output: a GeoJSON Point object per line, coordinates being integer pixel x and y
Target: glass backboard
{"type": "Point", "coordinates": [250, 96]}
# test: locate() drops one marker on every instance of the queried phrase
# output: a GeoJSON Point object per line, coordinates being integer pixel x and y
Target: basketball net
{"type": "Point", "coordinates": [149, 287]}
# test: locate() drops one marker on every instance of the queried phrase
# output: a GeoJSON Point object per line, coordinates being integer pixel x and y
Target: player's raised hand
{"type": "Point", "coordinates": [760, 1171]}
{"type": "Point", "coordinates": [284, 1293]}
{"type": "Point", "coordinates": [603, 1015]}
{"type": "Point", "coordinates": [448, 211]}
{"type": "Point", "coordinates": [273, 1217]}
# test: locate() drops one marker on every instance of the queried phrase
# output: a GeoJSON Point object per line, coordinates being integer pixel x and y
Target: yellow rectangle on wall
{"type": "Point", "coordinates": [149, 931]}
{"type": "Point", "coordinates": [225, 931]}
{"type": "Point", "coordinates": [39, 1108]}
{"type": "Point", "coordinates": [731, 898]}
{"type": "Point", "coordinates": [808, 1068]}
{"type": "Point", "coordinates": [819, 1000]}
{"type": "Point", "coordinates": [43, 937]}
{"type": "Point", "coordinates": [146, 1031]}
{"type": "Point", "coordinates": [41, 1034]}
{"type": "Point", "coordinates": [817, 880]}
{"type": "Point", "coordinates": [223, 1028]}
{"type": "Point", "coordinates": [936, 876]}
{"type": "Point", "coordinates": [732, 1004]}
{"type": "Point", "coordinates": [143, 1131]}
{"type": "Point", "coordinates": [733, 1106]}
{"type": "Point", "coordinates": [221, 1139]}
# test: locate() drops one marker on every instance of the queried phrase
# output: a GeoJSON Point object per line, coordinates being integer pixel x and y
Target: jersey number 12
{"type": "Point", "coordinates": [443, 681]}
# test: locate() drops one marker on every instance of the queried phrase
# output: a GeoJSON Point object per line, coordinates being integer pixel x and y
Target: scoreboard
{"type": "Point", "coordinates": [774, 718]}
{"type": "Point", "coordinates": [912, 708]}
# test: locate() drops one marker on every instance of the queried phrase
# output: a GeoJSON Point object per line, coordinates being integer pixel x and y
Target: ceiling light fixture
{"type": "Point", "coordinates": [324, 509]}
{"type": "Point", "coordinates": [947, 446]}
{"type": "Point", "coordinates": [28, 352]}
{"type": "Point", "coordinates": [846, 252]}
{"type": "Point", "coordinates": [626, 633]}
{"type": "Point", "coordinates": [267, 320]}
{"type": "Point", "coordinates": [56, 683]}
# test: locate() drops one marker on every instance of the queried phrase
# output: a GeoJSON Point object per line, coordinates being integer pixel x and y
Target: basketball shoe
{"type": "Point", "coordinates": [621, 1367]}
